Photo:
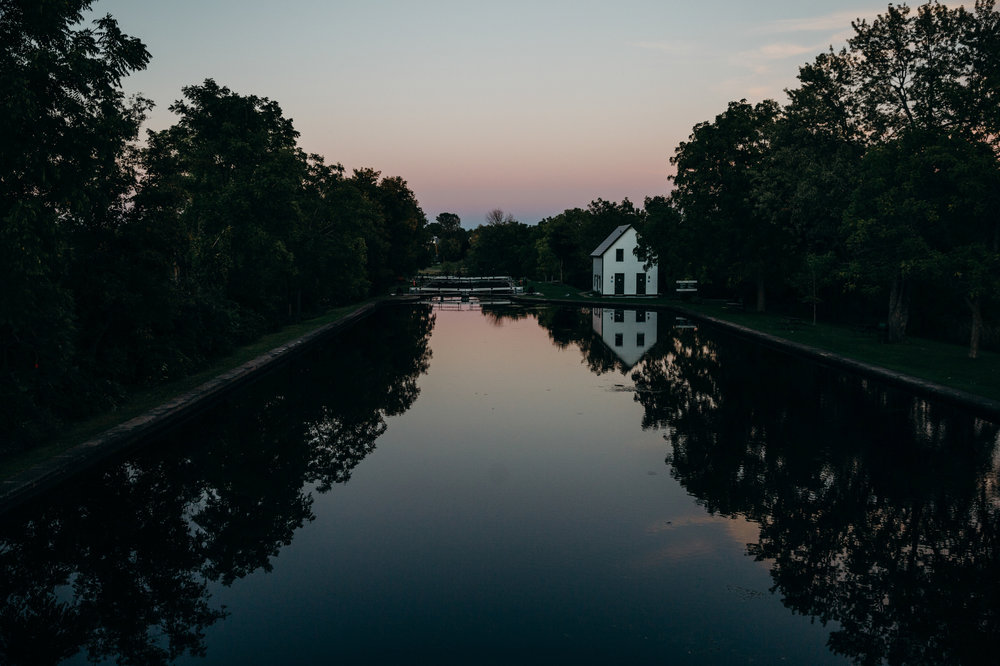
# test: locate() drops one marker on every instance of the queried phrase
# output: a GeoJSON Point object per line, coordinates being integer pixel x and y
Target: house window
{"type": "Point", "coordinates": [619, 314]}
{"type": "Point", "coordinates": [619, 254]}
{"type": "Point", "coordinates": [640, 339]}
{"type": "Point", "coordinates": [619, 339]}
{"type": "Point", "coordinates": [640, 316]}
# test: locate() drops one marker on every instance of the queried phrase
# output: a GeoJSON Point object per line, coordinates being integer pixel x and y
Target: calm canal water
{"type": "Point", "coordinates": [499, 485]}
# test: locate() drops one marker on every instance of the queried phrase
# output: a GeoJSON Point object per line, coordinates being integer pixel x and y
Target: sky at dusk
{"type": "Point", "coordinates": [532, 107]}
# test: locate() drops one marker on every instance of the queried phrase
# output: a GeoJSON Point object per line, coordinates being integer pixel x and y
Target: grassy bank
{"type": "Point", "coordinates": [143, 400]}
{"type": "Point", "coordinates": [938, 362]}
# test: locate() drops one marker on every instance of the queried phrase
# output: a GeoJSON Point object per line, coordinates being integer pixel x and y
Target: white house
{"type": "Point", "coordinates": [617, 271]}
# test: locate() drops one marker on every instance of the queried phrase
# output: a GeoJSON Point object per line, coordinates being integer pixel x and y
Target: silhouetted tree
{"type": "Point", "coordinates": [65, 129]}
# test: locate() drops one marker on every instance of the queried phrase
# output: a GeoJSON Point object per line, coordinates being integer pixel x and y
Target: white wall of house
{"type": "Point", "coordinates": [620, 259]}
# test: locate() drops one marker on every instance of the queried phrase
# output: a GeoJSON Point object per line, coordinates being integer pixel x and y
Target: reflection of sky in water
{"type": "Point", "coordinates": [516, 509]}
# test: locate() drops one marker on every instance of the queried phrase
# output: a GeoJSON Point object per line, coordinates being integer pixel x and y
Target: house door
{"type": "Point", "coordinates": [640, 284]}
{"type": "Point", "coordinates": [619, 283]}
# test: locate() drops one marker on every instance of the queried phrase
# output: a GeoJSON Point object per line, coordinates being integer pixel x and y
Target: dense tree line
{"type": "Point", "coordinates": [556, 248]}
{"type": "Point", "coordinates": [126, 263]}
{"type": "Point", "coordinates": [879, 180]}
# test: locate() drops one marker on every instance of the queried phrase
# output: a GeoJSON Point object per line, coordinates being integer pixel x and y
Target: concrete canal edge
{"type": "Point", "coordinates": [979, 405]}
{"type": "Point", "coordinates": [48, 474]}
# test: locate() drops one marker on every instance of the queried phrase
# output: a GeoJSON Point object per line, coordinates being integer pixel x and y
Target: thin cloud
{"type": "Point", "coordinates": [754, 87]}
{"type": "Point", "coordinates": [842, 36]}
{"type": "Point", "coordinates": [779, 51]}
{"type": "Point", "coordinates": [678, 48]}
{"type": "Point", "coordinates": [835, 22]}
{"type": "Point", "coordinates": [761, 61]}
{"type": "Point", "coordinates": [768, 67]}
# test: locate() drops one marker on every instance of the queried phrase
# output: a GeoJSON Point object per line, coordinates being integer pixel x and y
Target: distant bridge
{"type": "Point", "coordinates": [451, 285]}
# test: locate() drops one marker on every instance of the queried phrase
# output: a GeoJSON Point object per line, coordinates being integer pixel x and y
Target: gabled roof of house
{"type": "Point", "coordinates": [615, 235]}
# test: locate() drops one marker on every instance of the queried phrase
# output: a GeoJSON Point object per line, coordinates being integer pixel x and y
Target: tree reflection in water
{"type": "Point", "coordinates": [120, 565]}
{"type": "Point", "coordinates": [878, 511]}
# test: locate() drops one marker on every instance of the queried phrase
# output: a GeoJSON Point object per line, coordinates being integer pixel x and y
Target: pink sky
{"type": "Point", "coordinates": [531, 107]}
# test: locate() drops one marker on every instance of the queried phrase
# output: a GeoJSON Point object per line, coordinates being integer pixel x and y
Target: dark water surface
{"type": "Point", "coordinates": [498, 485]}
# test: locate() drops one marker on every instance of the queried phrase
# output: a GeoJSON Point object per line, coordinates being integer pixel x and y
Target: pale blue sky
{"type": "Point", "coordinates": [532, 107]}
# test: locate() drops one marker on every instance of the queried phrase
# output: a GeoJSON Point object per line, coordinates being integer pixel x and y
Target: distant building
{"type": "Point", "coordinates": [617, 271]}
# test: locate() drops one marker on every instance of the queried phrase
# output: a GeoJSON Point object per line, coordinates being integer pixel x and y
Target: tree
{"type": "Point", "coordinates": [452, 240]}
{"type": "Point", "coordinates": [907, 81]}
{"type": "Point", "coordinates": [663, 239]}
{"type": "Point", "coordinates": [926, 79]}
{"type": "Point", "coordinates": [926, 210]}
{"type": "Point", "coordinates": [329, 244]}
{"type": "Point", "coordinates": [504, 248]}
{"type": "Point", "coordinates": [802, 187]}
{"type": "Point", "coordinates": [714, 188]}
{"type": "Point", "coordinates": [928, 70]}
{"type": "Point", "coordinates": [406, 225]}
{"type": "Point", "coordinates": [65, 127]}
{"type": "Point", "coordinates": [497, 216]}
{"type": "Point", "coordinates": [982, 81]}
{"type": "Point", "coordinates": [448, 222]}
{"type": "Point", "coordinates": [229, 173]}
{"type": "Point", "coordinates": [888, 228]}
{"type": "Point", "coordinates": [376, 235]}
{"type": "Point", "coordinates": [560, 247]}
{"type": "Point", "coordinates": [399, 242]}
{"type": "Point", "coordinates": [815, 273]}
{"type": "Point", "coordinates": [966, 194]}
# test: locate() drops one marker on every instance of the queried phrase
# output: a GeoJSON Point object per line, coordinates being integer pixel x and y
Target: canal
{"type": "Point", "coordinates": [496, 484]}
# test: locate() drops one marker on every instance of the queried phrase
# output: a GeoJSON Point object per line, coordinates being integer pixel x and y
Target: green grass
{"type": "Point", "coordinates": [939, 362]}
{"type": "Point", "coordinates": [557, 291]}
{"type": "Point", "coordinates": [143, 400]}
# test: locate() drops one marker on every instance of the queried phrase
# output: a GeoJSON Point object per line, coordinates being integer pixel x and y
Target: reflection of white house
{"type": "Point", "coordinates": [617, 271]}
{"type": "Point", "coordinates": [628, 333]}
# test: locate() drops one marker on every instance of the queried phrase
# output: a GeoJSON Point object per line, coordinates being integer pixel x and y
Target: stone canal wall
{"type": "Point", "coordinates": [46, 475]}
